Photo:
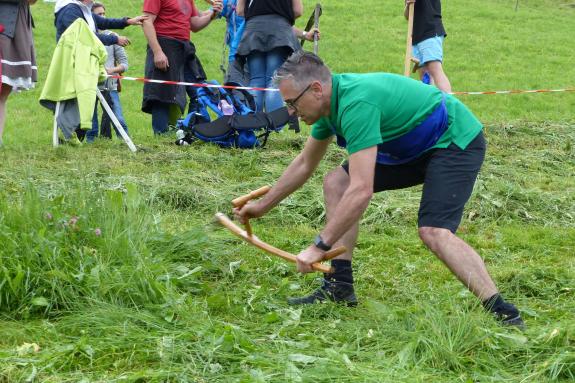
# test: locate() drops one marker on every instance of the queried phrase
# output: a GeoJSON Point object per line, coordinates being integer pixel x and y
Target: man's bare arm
{"type": "Point", "coordinates": [241, 8]}
{"type": "Point", "coordinates": [295, 175]}
{"type": "Point", "coordinates": [160, 59]}
{"type": "Point", "coordinates": [356, 197]}
{"type": "Point", "coordinates": [197, 23]}
{"type": "Point", "coordinates": [406, 9]}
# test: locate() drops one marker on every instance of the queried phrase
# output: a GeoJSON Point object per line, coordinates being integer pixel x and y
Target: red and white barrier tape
{"type": "Point", "coordinates": [516, 91]}
{"type": "Point", "coordinates": [204, 85]}
{"type": "Point", "coordinates": [195, 84]}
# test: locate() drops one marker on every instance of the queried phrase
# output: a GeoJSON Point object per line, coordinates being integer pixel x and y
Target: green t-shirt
{"type": "Point", "coordinates": [369, 109]}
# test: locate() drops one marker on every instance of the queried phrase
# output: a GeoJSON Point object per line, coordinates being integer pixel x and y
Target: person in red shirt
{"type": "Point", "coordinates": [170, 54]}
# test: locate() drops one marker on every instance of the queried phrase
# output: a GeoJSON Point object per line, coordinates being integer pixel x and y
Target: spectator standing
{"type": "Point", "coordinates": [268, 40]}
{"type": "Point", "coordinates": [427, 40]}
{"type": "Point", "coordinates": [170, 55]}
{"type": "Point", "coordinates": [235, 25]}
{"type": "Point", "coordinates": [67, 11]}
{"type": "Point", "coordinates": [17, 55]}
{"type": "Point", "coordinates": [235, 29]}
{"type": "Point", "coordinates": [117, 63]}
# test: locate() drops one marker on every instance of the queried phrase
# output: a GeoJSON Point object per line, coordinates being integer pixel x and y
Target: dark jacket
{"type": "Point", "coordinates": [8, 15]}
{"type": "Point", "coordinates": [67, 15]}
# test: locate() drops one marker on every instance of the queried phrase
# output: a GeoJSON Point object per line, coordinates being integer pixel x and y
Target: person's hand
{"type": "Point", "coordinates": [406, 10]}
{"type": "Point", "coordinates": [161, 61]}
{"type": "Point", "coordinates": [217, 6]}
{"type": "Point", "coordinates": [306, 258]}
{"type": "Point", "coordinates": [249, 210]}
{"type": "Point", "coordinates": [137, 20]}
{"type": "Point", "coordinates": [310, 34]}
{"type": "Point", "coordinates": [123, 41]}
{"type": "Point", "coordinates": [110, 71]}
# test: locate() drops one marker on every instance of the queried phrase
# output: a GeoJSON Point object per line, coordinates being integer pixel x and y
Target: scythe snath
{"type": "Point", "coordinates": [248, 236]}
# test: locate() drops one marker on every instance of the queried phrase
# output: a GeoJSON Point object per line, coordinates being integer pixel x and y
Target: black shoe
{"type": "Point", "coordinates": [515, 321]}
{"type": "Point", "coordinates": [335, 291]}
{"type": "Point", "coordinates": [508, 315]}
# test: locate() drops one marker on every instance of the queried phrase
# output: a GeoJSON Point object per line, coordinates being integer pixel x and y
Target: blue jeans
{"type": "Point", "coordinates": [113, 99]}
{"type": "Point", "coordinates": [160, 117]}
{"type": "Point", "coordinates": [93, 133]}
{"type": "Point", "coordinates": [117, 109]}
{"type": "Point", "coordinates": [262, 66]}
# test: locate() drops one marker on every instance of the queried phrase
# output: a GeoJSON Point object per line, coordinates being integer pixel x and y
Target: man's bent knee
{"type": "Point", "coordinates": [335, 182]}
{"type": "Point", "coordinates": [433, 237]}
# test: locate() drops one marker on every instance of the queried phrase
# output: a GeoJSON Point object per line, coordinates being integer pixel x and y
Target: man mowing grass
{"type": "Point", "coordinates": [399, 133]}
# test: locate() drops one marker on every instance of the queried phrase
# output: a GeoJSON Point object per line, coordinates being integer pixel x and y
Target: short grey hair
{"type": "Point", "coordinates": [303, 68]}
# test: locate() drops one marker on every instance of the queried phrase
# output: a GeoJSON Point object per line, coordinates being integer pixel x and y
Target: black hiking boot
{"type": "Point", "coordinates": [506, 313]}
{"type": "Point", "coordinates": [509, 316]}
{"type": "Point", "coordinates": [335, 291]}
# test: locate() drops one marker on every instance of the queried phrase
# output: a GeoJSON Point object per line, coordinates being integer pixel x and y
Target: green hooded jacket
{"type": "Point", "coordinates": [76, 68]}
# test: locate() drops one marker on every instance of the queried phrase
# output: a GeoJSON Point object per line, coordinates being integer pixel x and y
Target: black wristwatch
{"type": "Point", "coordinates": [320, 244]}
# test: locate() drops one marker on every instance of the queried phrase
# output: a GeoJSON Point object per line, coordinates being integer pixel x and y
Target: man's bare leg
{"type": "Point", "coordinates": [337, 286]}
{"type": "Point", "coordinates": [469, 268]}
{"type": "Point", "coordinates": [438, 76]}
{"type": "Point", "coordinates": [461, 259]}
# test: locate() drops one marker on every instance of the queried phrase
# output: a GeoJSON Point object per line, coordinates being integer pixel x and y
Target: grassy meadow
{"type": "Point", "coordinates": [112, 269]}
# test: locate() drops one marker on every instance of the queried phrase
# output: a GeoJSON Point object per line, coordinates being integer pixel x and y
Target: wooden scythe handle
{"type": "Point", "coordinates": [415, 64]}
{"type": "Point", "coordinates": [241, 201]}
{"type": "Point", "coordinates": [408, 53]}
{"type": "Point", "coordinates": [316, 14]}
{"type": "Point", "coordinates": [225, 221]}
{"type": "Point", "coordinates": [313, 21]}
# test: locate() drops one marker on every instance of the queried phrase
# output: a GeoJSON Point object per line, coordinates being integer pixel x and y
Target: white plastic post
{"type": "Point", "coordinates": [55, 132]}
{"type": "Point", "coordinates": [116, 122]}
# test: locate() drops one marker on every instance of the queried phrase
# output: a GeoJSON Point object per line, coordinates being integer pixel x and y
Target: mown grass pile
{"type": "Point", "coordinates": [112, 270]}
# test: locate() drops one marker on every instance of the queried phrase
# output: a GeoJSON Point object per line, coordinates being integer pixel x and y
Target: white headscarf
{"type": "Point", "coordinates": [86, 10]}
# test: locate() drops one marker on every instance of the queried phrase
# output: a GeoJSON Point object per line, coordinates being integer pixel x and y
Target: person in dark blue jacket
{"type": "Point", "coordinates": [67, 11]}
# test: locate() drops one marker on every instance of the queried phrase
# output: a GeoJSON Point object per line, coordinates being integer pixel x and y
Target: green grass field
{"type": "Point", "coordinates": [112, 270]}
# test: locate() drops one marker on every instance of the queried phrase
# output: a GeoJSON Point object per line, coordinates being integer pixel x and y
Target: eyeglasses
{"type": "Point", "coordinates": [291, 104]}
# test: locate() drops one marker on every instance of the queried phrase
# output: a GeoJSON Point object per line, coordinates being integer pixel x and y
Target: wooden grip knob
{"type": "Point", "coordinates": [241, 201]}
